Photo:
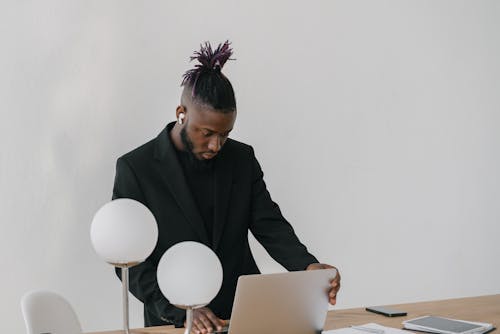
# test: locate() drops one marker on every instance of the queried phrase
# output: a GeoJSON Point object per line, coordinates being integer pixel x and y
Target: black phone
{"type": "Point", "coordinates": [386, 311]}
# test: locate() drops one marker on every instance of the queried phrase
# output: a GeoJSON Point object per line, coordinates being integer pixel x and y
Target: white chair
{"type": "Point", "coordinates": [46, 312]}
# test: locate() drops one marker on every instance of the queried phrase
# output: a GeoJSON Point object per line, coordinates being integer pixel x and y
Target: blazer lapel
{"type": "Point", "coordinates": [172, 174]}
{"type": "Point", "coordinates": [223, 183]}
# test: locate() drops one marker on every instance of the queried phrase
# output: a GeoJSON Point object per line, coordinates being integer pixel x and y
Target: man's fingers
{"type": "Point", "coordinates": [335, 287]}
{"type": "Point", "coordinates": [336, 279]}
{"type": "Point", "coordinates": [332, 293]}
{"type": "Point", "coordinates": [335, 284]}
{"type": "Point", "coordinates": [316, 266]}
{"type": "Point", "coordinates": [198, 325]}
{"type": "Point", "coordinates": [206, 324]}
{"type": "Point", "coordinates": [215, 321]}
{"type": "Point", "coordinates": [205, 321]}
{"type": "Point", "coordinates": [195, 329]}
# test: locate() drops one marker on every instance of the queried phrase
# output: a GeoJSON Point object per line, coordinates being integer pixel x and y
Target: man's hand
{"type": "Point", "coordinates": [334, 284]}
{"type": "Point", "coordinates": [205, 321]}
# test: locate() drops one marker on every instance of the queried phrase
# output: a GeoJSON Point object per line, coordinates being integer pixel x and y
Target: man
{"type": "Point", "coordinates": [204, 187]}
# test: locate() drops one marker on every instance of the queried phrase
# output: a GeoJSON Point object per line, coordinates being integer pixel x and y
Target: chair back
{"type": "Point", "coordinates": [46, 312]}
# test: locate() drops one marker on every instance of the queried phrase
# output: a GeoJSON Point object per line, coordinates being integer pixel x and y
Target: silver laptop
{"type": "Point", "coordinates": [291, 303]}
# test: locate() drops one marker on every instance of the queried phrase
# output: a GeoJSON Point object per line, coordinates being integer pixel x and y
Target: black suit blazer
{"type": "Point", "coordinates": [152, 175]}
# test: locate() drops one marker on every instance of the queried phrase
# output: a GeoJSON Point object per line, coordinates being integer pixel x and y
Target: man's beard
{"type": "Point", "coordinates": [198, 164]}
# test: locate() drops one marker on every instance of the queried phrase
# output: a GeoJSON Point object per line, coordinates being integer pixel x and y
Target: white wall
{"type": "Point", "coordinates": [376, 123]}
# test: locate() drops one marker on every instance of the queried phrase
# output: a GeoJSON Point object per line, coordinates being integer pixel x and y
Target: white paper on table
{"type": "Point", "coordinates": [349, 330]}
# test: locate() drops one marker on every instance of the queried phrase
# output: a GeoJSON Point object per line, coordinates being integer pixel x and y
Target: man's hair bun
{"type": "Point", "coordinates": [209, 60]}
{"type": "Point", "coordinates": [208, 85]}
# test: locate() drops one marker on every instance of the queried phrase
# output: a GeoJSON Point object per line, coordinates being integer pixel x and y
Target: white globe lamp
{"type": "Point", "coordinates": [124, 233]}
{"type": "Point", "coordinates": [189, 275]}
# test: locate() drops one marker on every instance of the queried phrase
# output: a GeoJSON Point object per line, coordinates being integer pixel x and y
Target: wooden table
{"type": "Point", "coordinates": [481, 309]}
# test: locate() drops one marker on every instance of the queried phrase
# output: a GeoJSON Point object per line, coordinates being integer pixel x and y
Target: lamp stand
{"type": "Point", "coordinates": [189, 314]}
{"type": "Point", "coordinates": [124, 268]}
{"type": "Point", "coordinates": [125, 299]}
{"type": "Point", "coordinates": [189, 320]}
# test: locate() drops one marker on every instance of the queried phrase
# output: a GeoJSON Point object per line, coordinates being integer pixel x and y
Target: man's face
{"type": "Point", "coordinates": [205, 131]}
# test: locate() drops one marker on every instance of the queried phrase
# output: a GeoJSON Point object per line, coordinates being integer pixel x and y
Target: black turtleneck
{"type": "Point", "coordinates": [200, 178]}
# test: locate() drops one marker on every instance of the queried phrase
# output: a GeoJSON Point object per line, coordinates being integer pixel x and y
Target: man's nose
{"type": "Point", "coordinates": [215, 144]}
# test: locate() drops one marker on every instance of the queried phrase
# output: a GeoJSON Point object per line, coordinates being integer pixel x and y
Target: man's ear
{"type": "Point", "coordinates": [181, 114]}
{"type": "Point", "coordinates": [180, 110]}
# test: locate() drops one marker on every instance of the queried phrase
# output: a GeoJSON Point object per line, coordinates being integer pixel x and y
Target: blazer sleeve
{"type": "Point", "coordinates": [142, 278]}
{"type": "Point", "coordinates": [272, 230]}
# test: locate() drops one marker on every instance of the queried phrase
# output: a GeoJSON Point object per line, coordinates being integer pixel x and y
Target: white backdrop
{"type": "Point", "coordinates": [376, 124]}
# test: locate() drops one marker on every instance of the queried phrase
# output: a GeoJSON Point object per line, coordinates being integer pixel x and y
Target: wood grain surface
{"type": "Point", "coordinates": [481, 309]}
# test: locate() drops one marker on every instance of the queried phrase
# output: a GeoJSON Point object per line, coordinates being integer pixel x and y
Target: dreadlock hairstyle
{"type": "Point", "coordinates": [207, 83]}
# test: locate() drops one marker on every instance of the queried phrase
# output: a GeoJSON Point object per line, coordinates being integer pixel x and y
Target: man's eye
{"type": "Point", "coordinates": [206, 133]}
